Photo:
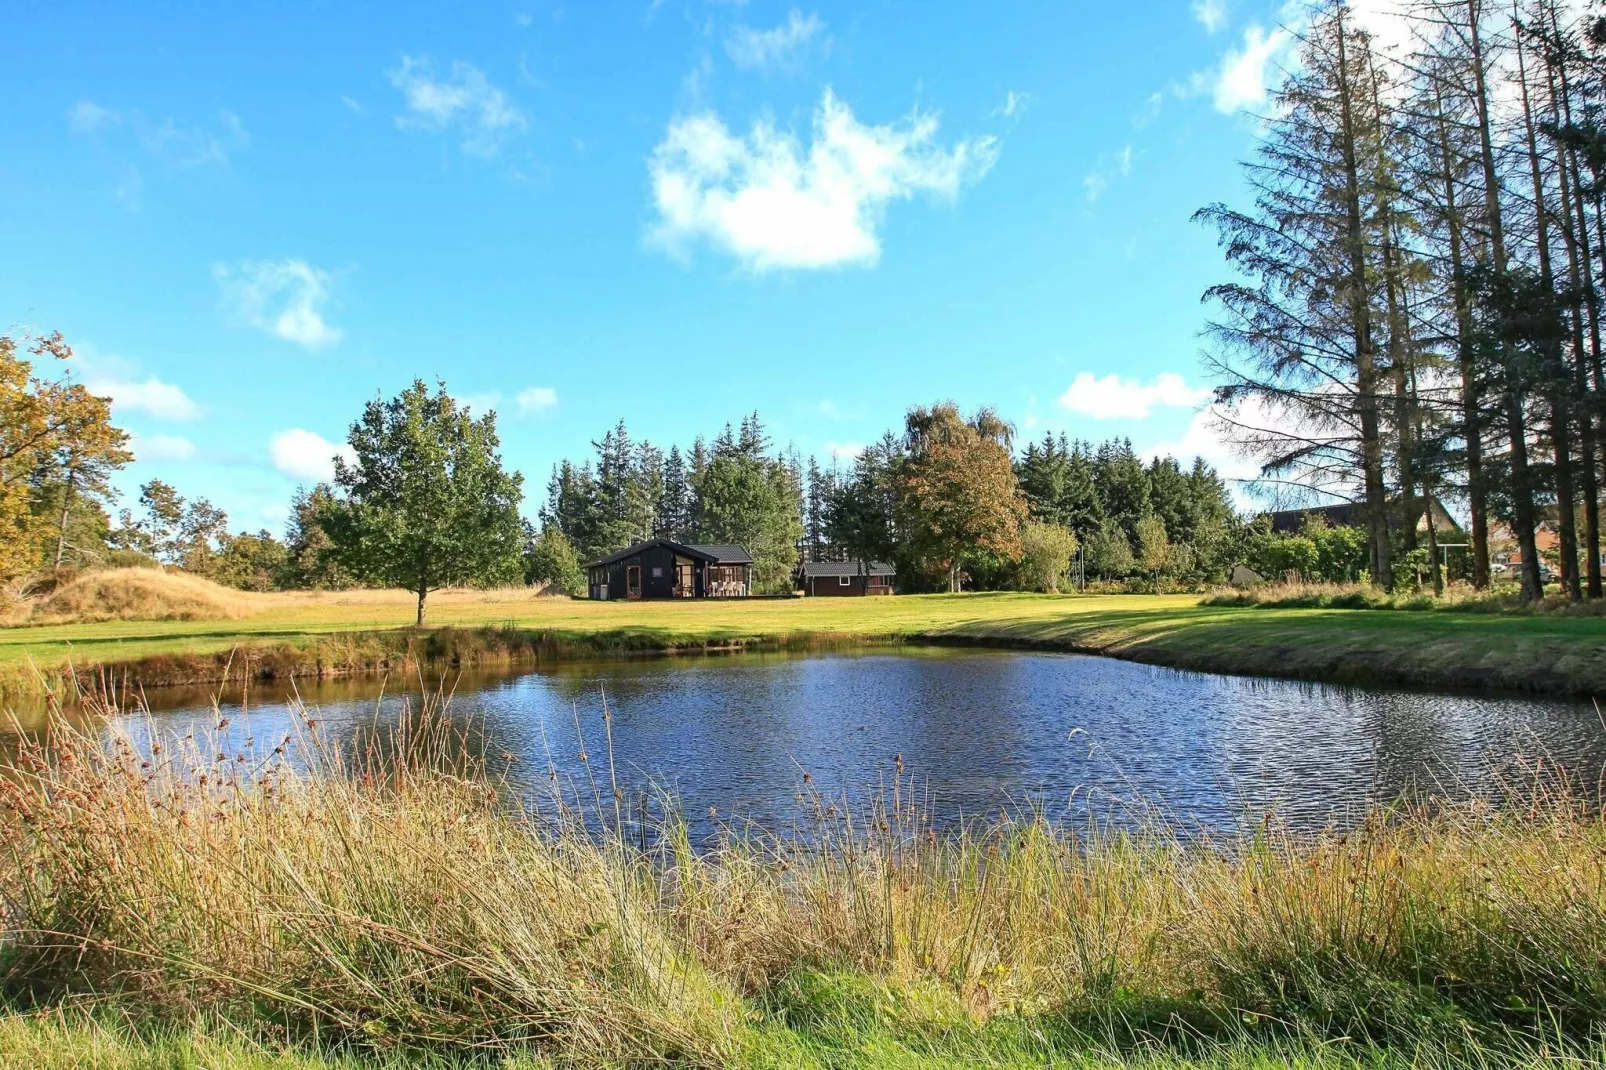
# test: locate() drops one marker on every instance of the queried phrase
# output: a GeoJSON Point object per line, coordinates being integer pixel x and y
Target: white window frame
{"type": "Point", "coordinates": [844, 581]}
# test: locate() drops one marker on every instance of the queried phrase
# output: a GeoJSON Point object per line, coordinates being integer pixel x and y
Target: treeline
{"type": "Point", "coordinates": [735, 489]}
{"type": "Point", "coordinates": [946, 501]}
{"type": "Point", "coordinates": [1418, 307]}
{"type": "Point", "coordinates": [421, 500]}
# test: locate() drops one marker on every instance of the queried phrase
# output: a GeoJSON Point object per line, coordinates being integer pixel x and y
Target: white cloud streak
{"type": "Point", "coordinates": [1114, 398]}
{"type": "Point", "coordinates": [535, 399]}
{"type": "Point", "coordinates": [463, 101]}
{"type": "Point", "coordinates": [161, 448]}
{"type": "Point", "coordinates": [306, 455]}
{"type": "Point", "coordinates": [286, 298]}
{"type": "Point", "coordinates": [1118, 165]}
{"type": "Point", "coordinates": [1211, 14]}
{"type": "Point", "coordinates": [1242, 81]}
{"type": "Point", "coordinates": [780, 47]}
{"type": "Point", "coordinates": [164, 401]}
{"type": "Point", "coordinates": [772, 202]}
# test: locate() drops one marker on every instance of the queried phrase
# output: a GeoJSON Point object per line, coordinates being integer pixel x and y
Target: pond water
{"type": "Point", "coordinates": [976, 731]}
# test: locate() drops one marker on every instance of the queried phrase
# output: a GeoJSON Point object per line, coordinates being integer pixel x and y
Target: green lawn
{"type": "Point", "coordinates": [1441, 648]}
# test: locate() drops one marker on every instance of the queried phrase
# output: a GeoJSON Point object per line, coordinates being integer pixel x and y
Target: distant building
{"type": "Point", "coordinates": [663, 568]}
{"type": "Point", "coordinates": [852, 578]}
{"type": "Point", "coordinates": [1353, 515]}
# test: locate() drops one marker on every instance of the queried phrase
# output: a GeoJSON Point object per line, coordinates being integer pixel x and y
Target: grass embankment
{"type": "Point", "coordinates": [331, 633]}
{"type": "Point", "coordinates": [392, 906]}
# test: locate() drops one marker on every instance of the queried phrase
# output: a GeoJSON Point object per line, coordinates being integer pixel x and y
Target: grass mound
{"type": "Point", "coordinates": [142, 594]}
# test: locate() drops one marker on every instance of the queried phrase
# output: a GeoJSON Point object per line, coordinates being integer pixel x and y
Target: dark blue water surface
{"type": "Point", "coordinates": [976, 731]}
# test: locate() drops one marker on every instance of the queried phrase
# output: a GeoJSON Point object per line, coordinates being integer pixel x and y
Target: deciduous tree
{"type": "Point", "coordinates": [426, 500]}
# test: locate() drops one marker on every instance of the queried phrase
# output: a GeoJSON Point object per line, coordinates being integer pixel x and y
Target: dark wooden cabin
{"type": "Point", "coordinates": [835, 579]}
{"type": "Point", "coordinates": [663, 568]}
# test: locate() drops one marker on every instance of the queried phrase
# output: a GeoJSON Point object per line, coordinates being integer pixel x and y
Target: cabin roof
{"type": "Point", "coordinates": [725, 553]}
{"type": "Point", "coordinates": [707, 553]}
{"type": "Point", "coordinates": [812, 569]}
{"type": "Point", "coordinates": [646, 544]}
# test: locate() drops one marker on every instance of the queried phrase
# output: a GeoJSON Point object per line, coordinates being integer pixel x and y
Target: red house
{"type": "Point", "coordinates": [827, 579]}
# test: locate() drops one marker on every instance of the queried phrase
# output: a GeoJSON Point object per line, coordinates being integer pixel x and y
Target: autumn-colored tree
{"type": "Point", "coordinates": [51, 429]}
{"type": "Point", "coordinates": [957, 493]}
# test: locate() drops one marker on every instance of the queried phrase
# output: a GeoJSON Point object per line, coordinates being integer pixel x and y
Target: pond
{"type": "Point", "coordinates": [732, 737]}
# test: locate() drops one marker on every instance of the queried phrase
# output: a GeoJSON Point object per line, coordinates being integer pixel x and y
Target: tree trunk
{"type": "Point", "coordinates": [61, 528]}
{"type": "Point", "coordinates": [1366, 375]}
{"type": "Point", "coordinates": [1589, 439]}
{"type": "Point", "coordinates": [1522, 504]}
{"type": "Point", "coordinates": [1578, 252]}
{"type": "Point", "coordinates": [1554, 376]}
{"type": "Point", "coordinates": [1471, 406]}
{"type": "Point", "coordinates": [953, 576]}
{"type": "Point", "coordinates": [1433, 539]}
{"type": "Point", "coordinates": [423, 593]}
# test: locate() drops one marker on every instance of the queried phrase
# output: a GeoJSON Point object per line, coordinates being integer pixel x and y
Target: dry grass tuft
{"type": "Point", "coordinates": [143, 594]}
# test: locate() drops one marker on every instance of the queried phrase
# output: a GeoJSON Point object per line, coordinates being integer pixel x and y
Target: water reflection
{"type": "Point", "coordinates": [979, 730]}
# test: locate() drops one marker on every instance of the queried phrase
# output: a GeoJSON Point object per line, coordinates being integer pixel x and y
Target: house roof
{"type": "Point", "coordinates": [697, 553]}
{"type": "Point", "coordinates": [725, 553]}
{"type": "Point", "coordinates": [1352, 514]}
{"type": "Point", "coordinates": [812, 569]}
{"type": "Point", "coordinates": [1290, 521]}
{"type": "Point", "coordinates": [707, 553]}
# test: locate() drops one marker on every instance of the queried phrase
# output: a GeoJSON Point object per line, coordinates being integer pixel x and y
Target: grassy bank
{"type": "Point", "coordinates": [395, 907]}
{"type": "Point", "coordinates": [332, 633]}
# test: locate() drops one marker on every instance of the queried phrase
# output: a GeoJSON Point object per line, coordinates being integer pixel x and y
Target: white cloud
{"type": "Point", "coordinates": [780, 47]}
{"type": "Point", "coordinates": [153, 397]}
{"type": "Point", "coordinates": [1150, 111]}
{"type": "Point", "coordinates": [1115, 398]}
{"type": "Point", "coordinates": [464, 101]}
{"type": "Point", "coordinates": [1212, 14]}
{"type": "Point", "coordinates": [283, 297]}
{"type": "Point", "coordinates": [482, 402]}
{"type": "Point", "coordinates": [772, 203]}
{"type": "Point", "coordinates": [354, 105]}
{"type": "Point", "coordinates": [161, 448]}
{"type": "Point", "coordinates": [87, 117]}
{"type": "Point", "coordinates": [1014, 105]}
{"type": "Point", "coordinates": [1109, 167]}
{"type": "Point", "coordinates": [302, 454]}
{"type": "Point", "coordinates": [176, 145]}
{"type": "Point", "coordinates": [1241, 81]}
{"type": "Point", "coordinates": [844, 451]}
{"type": "Point", "coordinates": [537, 399]}
{"type": "Point", "coordinates": [1206, 438]}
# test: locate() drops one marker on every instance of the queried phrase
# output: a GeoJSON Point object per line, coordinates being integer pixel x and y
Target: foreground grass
{"type": "Point", "coordinates": [85, 1041]}
{"type": "Point", "coordinates": [333, 633]}
{"type": "Point", "coordinates": [388, 903]}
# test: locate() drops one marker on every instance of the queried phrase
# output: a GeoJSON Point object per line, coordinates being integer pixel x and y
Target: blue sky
{"type": "Point", "coordinates": [252, 219]}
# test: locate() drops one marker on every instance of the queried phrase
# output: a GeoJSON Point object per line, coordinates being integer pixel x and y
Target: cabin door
{"type": "Point", "coordinates": [685, 580]}
{"type": "Point", "coordinates": [632, 581]}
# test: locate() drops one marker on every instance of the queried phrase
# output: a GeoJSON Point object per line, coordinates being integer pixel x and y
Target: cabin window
{"type": "Point", "coordinates": [843, 581]}
{"type": "Point", "coordinates": [657, 572]}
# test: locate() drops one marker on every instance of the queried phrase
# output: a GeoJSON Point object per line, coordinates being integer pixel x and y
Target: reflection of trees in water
{"type": "Point", "coordinates": [1087, 738]}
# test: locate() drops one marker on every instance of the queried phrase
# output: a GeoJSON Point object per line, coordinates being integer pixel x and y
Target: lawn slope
{"type": "Point", "coordinates": [333, 634]}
